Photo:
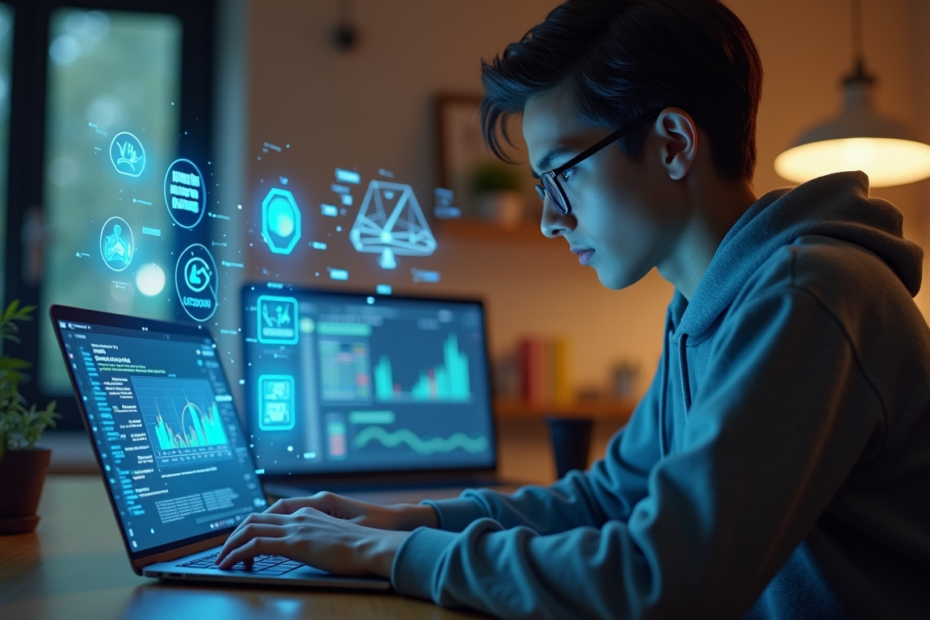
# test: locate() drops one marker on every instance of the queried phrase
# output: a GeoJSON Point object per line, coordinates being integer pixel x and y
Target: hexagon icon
{"type": "Point", "coordinates": [280, 221]}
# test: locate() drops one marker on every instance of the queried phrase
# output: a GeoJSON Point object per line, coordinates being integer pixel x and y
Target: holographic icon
{"type": "Point", "coordinates": [280, 221]}
{"type": "Point", "coordinates": [277, 320]}
{"type": "Point", "coordinates": [127, 154]}
{"type": "Point", "coordinates": [390, 223]}
{"type": "Point", "coordinates": [422, 275]}
{"type": "Point", "coordinates": [276, 403]}
{"type": "Point", "coordinates": [197, 274]}
{"type": "Point", "coordinates": [443, 205]}
{"type": "Point", "coordinates": [197, 282]}
{"type": "Point", "coordinates": [116, 244]}
{"type": "Point", "coordinates": [185, 193]}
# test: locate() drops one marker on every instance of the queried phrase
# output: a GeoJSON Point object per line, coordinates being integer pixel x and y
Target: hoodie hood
{"type": "Point", "coordinates": [836, 206]}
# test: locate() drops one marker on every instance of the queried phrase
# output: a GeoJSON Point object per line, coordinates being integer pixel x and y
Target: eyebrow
{"type": "Point", "coordinates": [545, 163]}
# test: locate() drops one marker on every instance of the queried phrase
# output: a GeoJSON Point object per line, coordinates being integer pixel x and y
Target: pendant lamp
{"type": "Point", "coordinates": [858, 138]}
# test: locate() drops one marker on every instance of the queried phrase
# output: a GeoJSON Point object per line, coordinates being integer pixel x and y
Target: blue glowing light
{"type": "Point", "coordinates": [338, 274]}
{"type": "Point", "coordinates": [127, 154]}
{"type": "Point", "coordinates": [329, 210]}
{"type": "Point", "coordinates": [422, 275]}
{"type": "Point", "coordinates": [391, 223]}
{"type": "Point", "coordinates": [276, 403]}
{"type": "Point", "coordinates": [383, 289]}
{"type": "Point", "coordinates": [280, 221]}
{"type": "Point", "coordinates": [197, 281]}
{"type": "Point", "coordinates": [277, 320]}
{"type": "Point", "coordinates": [185, 193]}
{"type": "Point", "coordinates": [116, 244]}
{"type": "Point", "coordinates": [348, 176]}
{"type": "Point", "coordinates": [150, 280]}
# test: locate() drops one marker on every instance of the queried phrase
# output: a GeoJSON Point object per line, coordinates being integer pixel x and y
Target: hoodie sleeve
{"type": "Point", "coordinates": [608, 491]}
{"type": "Point", "coordinates": [756, 468]}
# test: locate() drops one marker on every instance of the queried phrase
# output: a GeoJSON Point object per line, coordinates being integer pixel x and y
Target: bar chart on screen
{"type": "Point", "coordinates": [182, 420]}
{"type": "Point", "coordinates": [448, 381]}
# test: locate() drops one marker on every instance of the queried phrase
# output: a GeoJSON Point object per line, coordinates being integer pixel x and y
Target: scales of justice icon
{"type": "Point", "coordinates": [391, 223]}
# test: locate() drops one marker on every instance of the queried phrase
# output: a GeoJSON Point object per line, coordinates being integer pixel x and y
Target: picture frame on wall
{"type": "Point", "coordinates": [484, 187]}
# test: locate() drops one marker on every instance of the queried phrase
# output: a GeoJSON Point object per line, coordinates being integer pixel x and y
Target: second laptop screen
{"type": "Point", "coordinates": [350, 383]}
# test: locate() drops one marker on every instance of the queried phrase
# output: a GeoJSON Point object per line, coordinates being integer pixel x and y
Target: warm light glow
{"type": "Point", "coordinates": [886, 161]}
{"type": "Point", "coordinates": [151, 280]}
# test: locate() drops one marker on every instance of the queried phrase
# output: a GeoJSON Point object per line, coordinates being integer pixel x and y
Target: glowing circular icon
{"type": "Point", "coordinates": [127, 154]}
{"type": "Point", "coordinates": [116, 244]}
{"type": "Point", "coordinates": [185, 193]}
{"type": "Point", "coordinates": [280, 221]}
{"type": "Point", "coordinates": [196, 279]}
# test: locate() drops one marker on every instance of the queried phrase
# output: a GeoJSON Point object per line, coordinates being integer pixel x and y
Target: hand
{"type": "Point", "coordinates": [329, 543]}
{"type": "Point", "coordinates": [406, 517]}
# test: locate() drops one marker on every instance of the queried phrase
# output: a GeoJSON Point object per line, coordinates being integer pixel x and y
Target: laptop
{"type": "Point", "coordinates": [174, 457]}
{"type": "Point", "coordinates": [359, 392]}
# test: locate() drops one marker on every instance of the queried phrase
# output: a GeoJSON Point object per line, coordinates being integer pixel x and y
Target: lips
{"type": "Point", "coordinates": [584, 255]}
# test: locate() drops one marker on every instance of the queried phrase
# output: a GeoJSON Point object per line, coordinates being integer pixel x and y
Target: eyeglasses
{"type": "Point", "coordinates": [550, 180]}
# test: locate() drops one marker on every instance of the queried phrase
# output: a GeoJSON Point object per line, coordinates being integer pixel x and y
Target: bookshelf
{"type": "Point", "coordinates": [606, 409]}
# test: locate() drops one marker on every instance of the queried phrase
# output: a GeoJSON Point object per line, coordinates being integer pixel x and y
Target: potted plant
{"type": "Point", "coordinates": [22, 464]}
{"type": "Point", "coordinates": [496, 191]}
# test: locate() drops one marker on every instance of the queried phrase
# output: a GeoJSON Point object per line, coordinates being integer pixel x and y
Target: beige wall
{"type": "Point", "coordinates": [372, 109]}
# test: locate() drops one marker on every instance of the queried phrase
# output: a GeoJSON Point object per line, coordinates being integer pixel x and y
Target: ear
{"type": "Point", "coordinates": [678, 136]}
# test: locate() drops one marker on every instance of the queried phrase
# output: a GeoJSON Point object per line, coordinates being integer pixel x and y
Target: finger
{"type": "Point", "coordinates": [244, 535]}
{"type": "Point", "coordinates": [324, 501]}
{"type": "Point", "coordinates": [292, 504]}
{"type": "Point", "coordinates": [253, 548]}
{"type": "Point", "coordinates": [258, 517]}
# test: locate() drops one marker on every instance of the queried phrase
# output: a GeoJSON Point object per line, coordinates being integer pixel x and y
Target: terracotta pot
{"type": "Point", "coordinates": [22, 474]}
{"type": "Point", "coordinates": [502, 208]}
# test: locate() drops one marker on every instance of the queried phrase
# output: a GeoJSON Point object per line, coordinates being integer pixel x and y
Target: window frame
{"type": "Point", "coordinates": [28, 84]}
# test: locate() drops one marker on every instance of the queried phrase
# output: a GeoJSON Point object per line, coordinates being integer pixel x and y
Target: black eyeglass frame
{"type": "Point", "coordinates": [550, 180]}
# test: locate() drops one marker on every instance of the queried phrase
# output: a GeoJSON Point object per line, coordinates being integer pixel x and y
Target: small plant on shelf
{"type": "Point", "coordinates": [21, 426]}
{"type": "Point", "coordinates": [22, 464]}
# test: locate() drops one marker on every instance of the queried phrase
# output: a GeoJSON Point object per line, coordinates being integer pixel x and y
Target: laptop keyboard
{"type": "Point", "coordinates": [265, 564]}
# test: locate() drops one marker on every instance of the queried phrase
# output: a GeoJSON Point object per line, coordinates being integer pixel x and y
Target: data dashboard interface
{"type": "Point", "coordinates": [162, 418]}
{"type": "Point", "coordinates": [342, 382]}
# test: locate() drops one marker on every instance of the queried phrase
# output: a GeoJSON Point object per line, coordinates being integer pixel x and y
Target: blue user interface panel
{"type": "Point", "coordinates": [162, 418]}
{"type": "Point", "coordinates": [353, 383]}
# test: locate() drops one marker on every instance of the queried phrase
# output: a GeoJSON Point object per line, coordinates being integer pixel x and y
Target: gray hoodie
{"type": "Point", "coordinates": [778, 466]}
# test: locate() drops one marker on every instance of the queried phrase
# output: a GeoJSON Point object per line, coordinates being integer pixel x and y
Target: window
{"type": "Point", "coordinates": [125, 84]}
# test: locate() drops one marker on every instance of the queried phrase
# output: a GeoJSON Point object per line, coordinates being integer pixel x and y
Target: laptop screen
{"type": "Point", "coordinates": [163, 424]}
{"type": "Point", "coordinates": [341, 383]}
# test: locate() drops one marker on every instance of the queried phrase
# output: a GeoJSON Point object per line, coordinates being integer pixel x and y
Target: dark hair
{"type": "Point", "coordinates": [623, 58]}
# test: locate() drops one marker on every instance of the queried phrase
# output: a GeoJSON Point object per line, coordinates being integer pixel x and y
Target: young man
{"type": "Point", "coordinates": [779, 465]}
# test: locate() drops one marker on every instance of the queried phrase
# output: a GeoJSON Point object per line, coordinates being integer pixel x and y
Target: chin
{"type": "Point", "coordinates": [620, 279]}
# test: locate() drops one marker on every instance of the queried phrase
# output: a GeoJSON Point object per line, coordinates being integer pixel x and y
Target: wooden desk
{"type": "Point", "coordinates": [74, 566]}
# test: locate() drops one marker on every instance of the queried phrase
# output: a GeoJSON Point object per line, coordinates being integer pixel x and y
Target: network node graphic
{"type": "Point", "coordinates": [197, 282]}
{"type": "Point", "coordinates": [280, 221]}
{"type": "Point", "coordinates": [276, 403]}
{"type": "Point", "coordinates": [277, 320]}
{"type": "Point", "coordinates": [185, 193]}
{"type": "Point", "coordinates": [116, 244]}
{"type": "Point", "coordinates": [127, 154]}
{"type": "Point", "coordinates": [391, 223]}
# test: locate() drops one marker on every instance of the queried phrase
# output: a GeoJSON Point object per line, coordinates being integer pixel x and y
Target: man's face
{"type": "Point", "coordinates": [626, 215]}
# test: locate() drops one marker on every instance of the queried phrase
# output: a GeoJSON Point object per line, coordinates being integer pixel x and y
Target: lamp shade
{"type": "Point", "coordinates": [858, 139]}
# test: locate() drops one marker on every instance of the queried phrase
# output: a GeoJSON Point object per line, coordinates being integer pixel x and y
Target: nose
{"type": "Point", "coordinates": [554, 223]}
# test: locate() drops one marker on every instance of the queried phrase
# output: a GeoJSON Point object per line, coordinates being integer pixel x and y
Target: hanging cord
{"type": "Point", "coordinates": [859, 74]}
{"type": "Point", "coordinates": [345, 33]}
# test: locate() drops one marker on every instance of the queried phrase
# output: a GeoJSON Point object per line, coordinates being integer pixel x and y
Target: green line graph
{"type": "Point", "coordinates": [422, 446]}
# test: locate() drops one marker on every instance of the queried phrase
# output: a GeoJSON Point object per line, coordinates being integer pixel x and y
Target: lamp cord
{"type": "Point", "coordinates": [859, 72]}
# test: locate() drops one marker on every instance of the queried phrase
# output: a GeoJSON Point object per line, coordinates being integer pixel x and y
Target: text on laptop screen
{"type": "Point", "coordinates": [159, 409]}
{"type": "Point", "coordinates": [351, 383]}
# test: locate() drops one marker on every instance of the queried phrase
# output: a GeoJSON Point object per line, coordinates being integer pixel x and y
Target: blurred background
{"type": "Point", "coordinates": [283, 92]}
